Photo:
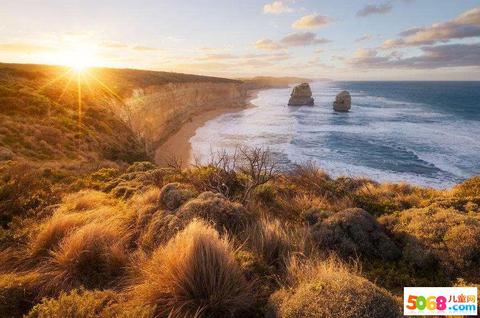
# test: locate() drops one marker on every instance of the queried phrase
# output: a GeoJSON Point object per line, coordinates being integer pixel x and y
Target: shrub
{"type": "Point", "coordinates": [160, 228]}
{"type": "Point", "coordinates": [141, 166]}
{"type": "Point", "coordinates": [217, 209]}
{"type": "Point", "coordinates": [452, 237]}
{"type": "Point", "coordinates": [194, 275]}
{"type": "Point", "coordinates": [93, 256]}
{"type": "Point", "coordinates": [18, 291]}
{"type": "Point", "coordinates": [87, 304]}
{"type": "Point", "coordinates": [470, 187]}
{"type": "Point", "coordinates": [173, 195]}
{"type": "Point", "coordinates": [386, 198]}
{"type": "Point", "coordinates": [330, 290]}
{"type": "Point", "coordinates": [354, 232]}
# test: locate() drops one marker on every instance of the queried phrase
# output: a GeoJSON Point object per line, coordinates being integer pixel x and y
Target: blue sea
{"type": "Point", "coordinates": [426, 133]}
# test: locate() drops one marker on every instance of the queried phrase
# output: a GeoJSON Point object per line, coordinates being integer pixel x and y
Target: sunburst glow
{"type": "Point", "coordinates": [79, 57]}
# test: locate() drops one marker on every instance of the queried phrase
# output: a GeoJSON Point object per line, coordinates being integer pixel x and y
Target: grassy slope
{"type": "Point", "coordinates": [99, 235]}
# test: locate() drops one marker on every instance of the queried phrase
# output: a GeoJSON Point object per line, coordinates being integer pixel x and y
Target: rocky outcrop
{"type": "Point", "coordinates": [343, 102]}
{"type": "Point", "coordinates": [301, 95]}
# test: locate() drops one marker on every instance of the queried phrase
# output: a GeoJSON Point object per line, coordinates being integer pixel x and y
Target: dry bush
{"type": "Point", "coordinates": [18, 292]}
{"type": "Point", "coordinates": [451, 237]}
{"type": "Point", "coordinates": [93, 256]}
{"type": "Point", "coordinates": [276, 241]}
{"type": "Point", "coordinates": [25, 189]}
{"type": "Point", "coordinates": [149, 225]}
{"type": "Point", "coordinates": [87, 304]}
{"type": "Point", "coordinates": [194, 275]}
{"type": "Point", "coordinates": [468, 188]}
{"type": "Point", "coordinates": [173, 195]}
{"type": "Point", "coordinates": [215, 208]}
{"type": "Point", "coordinates": [310, 178]}
{"type": "Point", "coordinates": [237, 174]}
{"type": "Point", "coordinates": [329, 289]}
{"type": "Point", "coordinates": [160, 228]}
{"type": "Point", "coordinates": [293, 207]}
{"type": "Point", "coordinates": [386, 198]}
{"type": "Point", "coordinates": [354, 232]}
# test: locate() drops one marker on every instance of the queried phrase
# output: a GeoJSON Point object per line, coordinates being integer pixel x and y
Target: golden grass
{"type": "Point", "coordinates": [93, 256]}
{"type": "Point", "coordinates": [276, 241]}
{"type": "Point", "coordinates": [194, 275]}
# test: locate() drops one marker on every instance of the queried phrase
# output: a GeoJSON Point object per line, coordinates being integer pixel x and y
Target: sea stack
{"type": "Point", "coordinates": [301, 95]}
{"type": "Point", "coordinates": [342, 102]}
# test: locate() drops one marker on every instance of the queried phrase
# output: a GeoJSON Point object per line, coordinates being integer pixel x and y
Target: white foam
{"type": "Point", "coordinates": [305, 133]}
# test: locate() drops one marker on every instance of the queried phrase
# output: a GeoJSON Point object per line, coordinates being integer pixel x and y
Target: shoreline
{"type": "Point", "coordinates": [178, 144]}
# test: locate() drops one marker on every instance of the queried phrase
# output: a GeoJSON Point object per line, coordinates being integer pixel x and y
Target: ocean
{"type": "Point", "coordinates": [425, 133]}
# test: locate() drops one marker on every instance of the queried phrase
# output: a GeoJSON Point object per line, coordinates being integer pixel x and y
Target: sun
{"type": "Point", "coordinates": [79, 57]}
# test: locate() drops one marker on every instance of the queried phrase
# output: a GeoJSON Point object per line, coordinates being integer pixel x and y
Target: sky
{"type": "Point", "coordinates": [341, 39]}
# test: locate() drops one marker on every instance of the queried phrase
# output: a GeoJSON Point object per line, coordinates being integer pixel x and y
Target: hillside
{"type": "Point", "coordinates": [262, 82]}
{"type": "Point", "coordinates": [91, 227]}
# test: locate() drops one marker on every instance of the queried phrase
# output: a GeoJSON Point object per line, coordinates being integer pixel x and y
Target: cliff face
{"type": "Point", "coordinates": [157, 112]}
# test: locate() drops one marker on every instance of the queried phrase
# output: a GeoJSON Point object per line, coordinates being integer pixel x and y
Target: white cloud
{"type": "Point", "coordinates": [311, 21]}
{"type": "Point", "coordinates": [465, 25]}
{"type": "Point", "coordinates": [267, 44]}
{"type": "Point", "coordinates": [276, 7]}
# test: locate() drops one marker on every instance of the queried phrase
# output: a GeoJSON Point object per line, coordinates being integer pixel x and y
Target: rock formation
{"type": "Point", "coordinates": [342, 102]}
{"type": "Point", "coordinates": [301, 95]}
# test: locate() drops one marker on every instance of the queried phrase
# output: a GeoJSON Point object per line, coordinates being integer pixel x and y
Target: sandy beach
{"type": "Point", "coordinates": [178, 145]}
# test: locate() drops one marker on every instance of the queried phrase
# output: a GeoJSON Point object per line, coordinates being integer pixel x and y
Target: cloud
{"type": "Point", "coordinates": [311, 21]}
{"type": "Point", "coordinates": [144, 48]}
{"type": "Point", "coordinates": [114, 45]}
{"type": "Point", "coordinates": [464, 26]}
{"type": "Point", "coordinates": [291, 40]}
{"type": "Point", "coordinates": [302, 39]}
{"type": "Point", "coordinates": [432, 57]}
{"type": "Point", "coordinates": [375, 9]}
{"type": "Point", "coordinates": [276, 7]}
{"type": "Point", "coordinates": [217, 57]}
{"type": "Point", "coordinates": [365, 37]}
{"type": "Point", "coordinates": [267, 44]}
{"type": "Point", "coordinates": [24, 47]}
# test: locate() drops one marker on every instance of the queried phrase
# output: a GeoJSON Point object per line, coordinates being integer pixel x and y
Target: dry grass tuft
{"type": "Point", "coordinates": [94, 256]}
{"type": "Point", "coordinates": [276, 241]}
{"type": "Point", "coordinates": [53, 231]}
{"type": "Point", "coordinates": [85, 200]}
{"type": "Point", "coordinates": [329, 289]}
{"type": "Point", "coordinates": [194, 275]}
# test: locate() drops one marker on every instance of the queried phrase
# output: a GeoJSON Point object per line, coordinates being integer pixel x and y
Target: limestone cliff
{"type": "Point", "coordinates": [157, 112]}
